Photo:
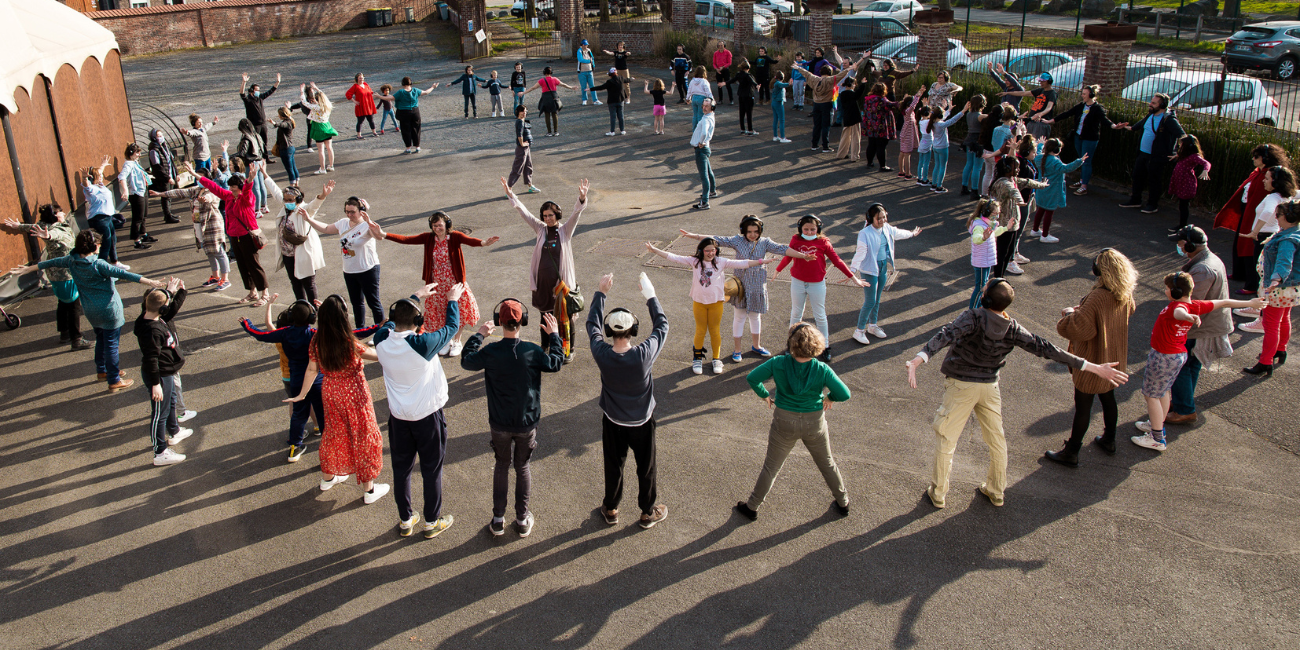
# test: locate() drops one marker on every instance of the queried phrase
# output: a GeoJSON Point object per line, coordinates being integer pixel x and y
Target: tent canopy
{"type": "Point", "coordinates": [39, 36]}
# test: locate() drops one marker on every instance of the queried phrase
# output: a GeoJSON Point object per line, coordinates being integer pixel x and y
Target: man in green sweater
{"type": "Point", "coordinates": [799, 414]}
{"type": "Point", "coordinates": [512, 374]}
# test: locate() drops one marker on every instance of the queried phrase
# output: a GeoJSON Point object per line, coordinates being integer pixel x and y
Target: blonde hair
{"type": "Point", "coordinates": [326, 106]}
{"type": "Point", "coordinates": [659, 84]}
{"type": "Point", "coordinates": [805, 341]}
{"type": "Point", "coordinates": [286, 115]}
{"type": "Point", "coordinates": [1116, 274]}
{"type": "Point", "coordinates": [987, 208]}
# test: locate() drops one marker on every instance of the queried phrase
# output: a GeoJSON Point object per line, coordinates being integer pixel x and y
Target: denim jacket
{"type": "Point", "coordinates": [1279, 254]}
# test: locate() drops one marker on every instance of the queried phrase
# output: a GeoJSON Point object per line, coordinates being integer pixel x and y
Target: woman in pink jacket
{"type": "Point", "coordinates": [244, 233]}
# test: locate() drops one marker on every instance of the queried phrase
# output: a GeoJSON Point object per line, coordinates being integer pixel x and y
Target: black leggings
{"type": "Point", "coordinates": [764, 93]}
{"type": "Point", "coordinates": [876, 149]}
{"type": "Point", "coordinates": [681, 85]}
{"type": "Point", "coordinates": [409, 121]}
{"type": "Point", "coordinates": [746, 112]}
{"type": "Point", "coordinates": [67, 315]}
{"type": "Point", "coordinates": [139, 212]}
{"type": "Point", "coordinates": [1083, 414]}
{"type": "Point", "coordinates": [1184, 212]}
{"type": "Point", "coordinates": [364, 285]}
{"type": "Point", "coordinates": [303, 289]}
{"type": "Point", "coordinates": [365, 118]}
{"type": "Point", "coordinates": [469, 101]}
{"type": "Point", "coordinates": [1007, 246]}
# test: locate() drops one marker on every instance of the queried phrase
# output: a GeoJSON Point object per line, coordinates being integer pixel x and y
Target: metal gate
{"type": "Point", "coordinates": [516, 35]}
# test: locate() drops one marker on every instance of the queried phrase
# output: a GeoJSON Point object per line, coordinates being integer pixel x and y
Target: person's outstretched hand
{"type": "Point", "coordinates": [1110, 373]}
{"type": "Point", "coordinates": [487, 328]}
{"type": "Point", "coordinates": [647, 289]}
{"type": "Point", "coordinates": [506, 186]}
{"type": "Point", "coordinates": [455, 292]}
{"type": "Point", "coordinates": [491, 240]}
{"type": "Point", "coordinates": [425, 291]}
{"type": "Point", "coordinates": [606, 283]}
{"type": "Point", "coordinates": [582, 190]}
{"type": "Point", "coordinates": [548, 323]}
{"type": "Point", "coordinates": [911, 370]}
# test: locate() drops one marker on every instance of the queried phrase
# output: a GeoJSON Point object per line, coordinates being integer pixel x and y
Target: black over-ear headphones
{"type": "Point", "coordinates": [750, 220]}
{"type": "Point", "coordinates": [810, 218]}
{"type": "Point", "coordinates": [984, 299]}
{"type": "Point", "coordinates": [496, 313]}
{"type": "Point", "coordinates": [165, 292]}
{"type": "Point", "coordinates": [311, 309]}
{"type": "Point", "coordinates": [631, 332]}
{"type": "Point", "coordinates": [418, 321]}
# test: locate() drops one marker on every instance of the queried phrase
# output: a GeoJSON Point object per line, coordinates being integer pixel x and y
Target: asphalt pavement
{"type": "Point", "coordinates": [234, 548]}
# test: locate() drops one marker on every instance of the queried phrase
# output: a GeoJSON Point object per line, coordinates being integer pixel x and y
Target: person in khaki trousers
{"type": "Point", "coordinates": [799, 414]}
{"type": "Point", "coordinates": [981, 339]}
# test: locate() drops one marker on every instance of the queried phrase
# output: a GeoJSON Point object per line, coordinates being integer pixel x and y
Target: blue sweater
{"type": "Point", "coordinates": [468, 83]}
{"type": "Point", "coordinates": [96, 280]}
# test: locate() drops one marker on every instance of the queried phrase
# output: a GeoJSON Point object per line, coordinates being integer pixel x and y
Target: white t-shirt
{"type": "Point", "coordinates": [358, 247]}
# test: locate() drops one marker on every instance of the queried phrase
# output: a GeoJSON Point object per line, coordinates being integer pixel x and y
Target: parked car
{"type": "Point", "coordinates": [545, 10]}
{"type": "Point", "coordinates": [1025, 63]}
{"type": "Point", "coordinates": [1273, 45]}
{"type": "Point", "coordinates": [722, 14]}
{"type": "Point", "coordinates": [1237, 96]}
{"type": "Point", "coordinates": [903, 50]}
{"type": "Point", "coordinates": [900, 10]}
{"type": "Point", "coordinates": [1070, 75]}
{"type": "Point", "coordinates": [777, 7]}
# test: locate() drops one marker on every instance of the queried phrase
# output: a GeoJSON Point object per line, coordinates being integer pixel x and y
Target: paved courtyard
{"type": "Point", "coordinates": [233, 548]}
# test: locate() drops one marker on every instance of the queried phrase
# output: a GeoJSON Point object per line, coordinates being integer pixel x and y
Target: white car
{"type": "Point", "coordinates": [775, 6]}
{"type": "Point", "coordinates": [900, 10]}
{"type": "Point", "coordinates": [721, 14]}
{"type": "Point", "coordinates": [1070, 75]}
{"type": "Point", "coordinates": [1025, 63]}
{"type": "Point", "coordinates": [1241, 97]}
{"type": "Point", "coordinates": [902, 49]}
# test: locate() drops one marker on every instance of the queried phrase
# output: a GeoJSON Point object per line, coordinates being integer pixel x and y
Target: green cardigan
{"type": "Point", "coordinates": [798, 385]}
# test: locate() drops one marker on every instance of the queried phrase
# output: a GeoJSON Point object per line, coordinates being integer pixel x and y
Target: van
{"type": "Point", "coordinates": [721, 14]}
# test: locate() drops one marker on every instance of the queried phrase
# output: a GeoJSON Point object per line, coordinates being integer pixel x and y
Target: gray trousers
{"type": "Point", "coordinates": [788, 428]}
{"type": "Point", "coordinates": [523, 165]}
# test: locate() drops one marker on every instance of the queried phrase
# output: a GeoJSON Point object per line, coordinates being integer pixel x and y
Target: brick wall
{"type": "Point", "coordinates": [175, 27]}
{"type": "Point", "coordinates": [1106, 64]}
{"type": "Point", "coordinates": [683, 14]}
{"type": "Point", "coordinates": [638, 37]}
{"type": "Point", "coordinates": [819, 29]}
{"type": "Point", "coordinates": [744, 24]}
{"type": "Point", "coordinates": [932, 46]}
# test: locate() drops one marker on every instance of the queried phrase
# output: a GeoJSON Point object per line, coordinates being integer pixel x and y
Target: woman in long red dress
{"type": "Point", "coordinates": [1238, 214]}
{"type": "Point", "coordinates": [444, 264]}
{"type": "Point", "coordinates": [351, 442]}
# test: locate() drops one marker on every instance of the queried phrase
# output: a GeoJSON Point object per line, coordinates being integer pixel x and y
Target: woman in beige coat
{"type": "Point", "coordinates": [1098, 331]}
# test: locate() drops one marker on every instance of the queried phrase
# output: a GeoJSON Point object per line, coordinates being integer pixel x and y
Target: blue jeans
{"type": "Point", "coordinates": [1085, 147]}
{"type": "Point", "coordinates": [939, 165]}
{"type": "Point", "coordinates": [981, 279]}
{"type": "Point", "coordinates": [586, 81]}
{"type": "Point", "coordinates": [387, 115]}
{"type": "Point", "coordinates": [259, 190]}
{"type": "Point", "coordinates": [290, 163]}
{"type": "Point", "coordinates": [106, 353]}
{"type": "Point", "coordinates": [778, 119]}
{"type": "Point", "coordinates": [162, 414]}
{"type": "Point", "coordinates": [814, 295]}
{"type": "Point", "coordinates": [519, 98]}
{"type": "Point", "coordinates": [103, 224]}
{"type": "Point", "coordinates": [302, 409]}
{"type": "Point", "coordinates": [1182, 397]}
{"type": "Point", "coordinates": [923, 167]}
{"type": "Point", "coordinates": [615, 112]}
{"type": "Point", "coordinates": [974, 169]}
{"type": "Point", "coordinates": [697, 109]}
{"type": "Point", "coordinates": [706, 173]}
{"type": "Point", "coordinates": [203, 165]}
{"type": "Point", "coordinates": [871, 295]}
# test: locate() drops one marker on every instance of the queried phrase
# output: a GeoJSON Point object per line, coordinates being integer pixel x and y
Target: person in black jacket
{"type": "Point", "coordinates": [763, 74]}
{"type": "Point", "coordinates": [614, 97]}
{"type": "Point", "coordinates": [745, 85]}
{"type": "Point", "coordinates": [161, 359]}
{"type": "Point", "coordinates": [1160, 133]}
{"type": "Point", "coordinates": [681, 66]}
{"type": "Point", "coordinates": [163, 170]}
{"type": "Point", "coordinates": [512, 374]}
{"type": "Point", "coordinates": [1087, 131]}
{"type": "Point", "coordinates": [254, 109]}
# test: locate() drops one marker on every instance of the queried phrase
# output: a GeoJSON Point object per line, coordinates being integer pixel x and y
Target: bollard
{"type": "Point", "coordinates": [1200, 22]}
{"type": "Point", "coordinates": [1158, 17]}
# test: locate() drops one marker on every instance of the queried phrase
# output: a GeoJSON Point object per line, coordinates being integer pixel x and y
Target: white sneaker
{"type": "Point", "coordinates": [1021, 259]}
{"type": "Point", "coordinates": [417, 150]}
{"type": "Point", "coordinates": [405, 528]}
{"type": "Point", "coordinates": [584, 102]}
{"type": "Point", "coordinates": [377, 492]}
{"type": "Point", "coordinates": [875, 331]}
{"type": "Point", "coordinates": [167, 457]}
{"type": "Point", "coordinates": [599, 103]}
{"type": "Point", "coordinates": [445, 349]}
{"type": "Point", "coordinates": [1246, 312]}
{"type": "Point", "coordinates": [1143, 426]}
{"type": "Point", "coordinates": [717, 366]}
{"type": "Point", "coordinates": [188, 415]}
{"type": "Point", "coordinates": [785, 141]}
{"type": "Point", "coordinates": [456, 347]}
{"type": "Point", "coordinates": [179, 436]}
{"type": "Point", "coordinates": [121, 266]}
{"type": "Point", "coordinates": [775, 139]}
{"type": "Point", "coordinates": [611, 133]}
{"type": "Point", "coordinates": [1147, 441]}
{"type": "Point", "coordinates": [861, 337]}
{"type": "Point", "coordinates": [1035, 233]}
{"type": "Point", "coordinates": [1014, 269]}
{"type": "Point", "coordinates": [697, 366]}
{"type": "Point", "coordinates": [1048, 239]}
{"type": "Point", "coordinates": [1254, 327]}
{"type": "Point", "coordinates": [622, 132]}
{"type": "Point", "coordinates": [325, 485]}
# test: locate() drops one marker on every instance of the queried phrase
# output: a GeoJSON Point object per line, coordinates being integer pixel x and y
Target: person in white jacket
{"type": "Point", "coordinates": [874, 256]}
{"type": "Point", "coordinates": [301, 254]}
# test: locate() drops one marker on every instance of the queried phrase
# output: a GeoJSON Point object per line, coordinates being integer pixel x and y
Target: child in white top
{"type": "Point", "coordinates": [984, 231]}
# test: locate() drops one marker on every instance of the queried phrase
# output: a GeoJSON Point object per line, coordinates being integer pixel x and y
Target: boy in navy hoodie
{"type": "Point", "coordinates": [468, 87]}
{"type": "Point", "coordinates": [161, 359]}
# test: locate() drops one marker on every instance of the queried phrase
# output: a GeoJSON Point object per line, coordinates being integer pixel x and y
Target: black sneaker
{"type": "Point", "coordinates": [826, 149]}
{"type": "Point", "coordinates": [825, 356]}
{"type": "Point", "coordinates": [747, 512]}
{"type": "Point", "coordinates": [1149, 210]}
{"type": "Point", "coordinates": [171, 220]}
{"type": "Point", "coordinates": [82, 344]}
{"type": "Point", "coordinates": [148, 239]}
{"type": "Point", "coordinates": [699, 206]}
{"type": "Point", "coordinates": [497, 528]}
{"type": "Point", "coordinates": [715, 194]}
{"type": "Point", "coordinates": [842, 509]}
{"type": "Point", "coordinates": [139, 245]}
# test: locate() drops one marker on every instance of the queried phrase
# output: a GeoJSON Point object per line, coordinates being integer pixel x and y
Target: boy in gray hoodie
{"type": "Point", "coordinates": [981, 339]}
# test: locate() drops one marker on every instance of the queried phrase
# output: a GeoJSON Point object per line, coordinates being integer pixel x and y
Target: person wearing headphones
{"type": "Point", "coordinates": [627, 399]}
{"type": "Point", "coordinates": [981, 339]}
{"type": "Point", "coordinates": [512, 374]}
{"type": "Point", "coordinates": [292, 332]}
{"type": "Point", "coordinates": [417, 391]}
{"type": "Point", "coordinates": [808, 275]}
{"type": "Point", "coordinates": [161, 360]}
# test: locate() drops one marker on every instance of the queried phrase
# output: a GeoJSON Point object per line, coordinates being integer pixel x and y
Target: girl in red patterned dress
{"type": "Point", "coordinates": [444, 264]}
{"type": "Point", "coordinates": [351, 442]}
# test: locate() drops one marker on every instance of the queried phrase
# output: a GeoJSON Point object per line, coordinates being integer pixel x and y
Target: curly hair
{"type": "Point", "coordinates": [1116, 274]}
{"type": "Point", "coordinates": [1289, 211]}
{"type": "Point", "coordinates": [1272, 155]}
{"type": "Point", "coordinates": [805, 341]}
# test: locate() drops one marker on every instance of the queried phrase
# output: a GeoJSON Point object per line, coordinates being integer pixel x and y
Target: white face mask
{"type": "Point", "coordinates": [808, 237]}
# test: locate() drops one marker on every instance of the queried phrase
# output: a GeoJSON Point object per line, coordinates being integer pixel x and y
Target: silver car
{"type": "Point", "coordinates": [1237, 96]}
{"type": "Point", "coordinates": [1070, 75]}
{"type": "Point", "coordinates": [1271, 46]}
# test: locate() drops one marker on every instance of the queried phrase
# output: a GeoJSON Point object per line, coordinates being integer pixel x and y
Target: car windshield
{"type": "Point", "coordinates": [880, 6]}
{"type": "Point", "coordinates": [1252, 34]}
{"type": "Point", "coordinates": [1143, 91]}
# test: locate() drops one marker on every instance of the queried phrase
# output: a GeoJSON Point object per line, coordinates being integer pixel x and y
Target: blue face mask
{"type": "Point", "coordinates": [1180, 250]}
{"type": "Point", "coordinates": [290, 207]}
{"type": "Point", "coordinates": [808, 237]}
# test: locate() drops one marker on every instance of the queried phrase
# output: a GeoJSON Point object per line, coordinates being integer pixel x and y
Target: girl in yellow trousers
{"type": "Point", "coordinates": [708, 276]}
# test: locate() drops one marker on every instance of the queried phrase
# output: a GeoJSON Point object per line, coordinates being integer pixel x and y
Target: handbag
{"type": "Point", "coordinates": [574, 302]}
{"type": "Point", "coordinates": [733, 288]}
{"type": "Point", "coordinates": [258, 238]}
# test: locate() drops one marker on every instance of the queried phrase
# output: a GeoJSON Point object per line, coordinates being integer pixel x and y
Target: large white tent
{"type": "Point", "coordinates": [37, 37]}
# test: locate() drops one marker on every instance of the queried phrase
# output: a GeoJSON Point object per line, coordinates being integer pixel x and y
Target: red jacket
{"type": "Point", "coordinates": [365, 98]}
{"type": "Point", "coordinates": [1239, 217]}
{"type": "Point", "coordinates": [813, 270]}
{"type": "Point", "coordinates": [454, 243]}
{"type": "Point", "coordinates": [241, 213]}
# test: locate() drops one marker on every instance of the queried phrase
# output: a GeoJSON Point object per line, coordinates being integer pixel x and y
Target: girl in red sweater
{"type": "Point", "coordinates": [808, 277]}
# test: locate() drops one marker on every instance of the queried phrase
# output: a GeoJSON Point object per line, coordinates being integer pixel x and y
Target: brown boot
{"type": "Point", "coordinates": [1178, 418]}
{"type": "Point", "coordinates": [121, 383]}
{"type": "Point", "coordinates": [121, 374]}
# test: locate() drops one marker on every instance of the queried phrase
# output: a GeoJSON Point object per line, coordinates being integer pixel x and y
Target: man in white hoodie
{"type": "Point", "coordinates": [417, 391]}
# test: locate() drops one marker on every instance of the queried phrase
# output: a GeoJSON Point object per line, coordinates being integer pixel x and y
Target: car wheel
{"type": "Point", "coordinates": [1286, 69]}
{"type": "Point", "coordinates": [1265, 121]}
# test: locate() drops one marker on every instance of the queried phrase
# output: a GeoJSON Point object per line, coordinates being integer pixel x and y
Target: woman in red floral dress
{"type": "Point", "coordinates": [444, 264]}
{"type": "Point", "coordinates": [351, 442]}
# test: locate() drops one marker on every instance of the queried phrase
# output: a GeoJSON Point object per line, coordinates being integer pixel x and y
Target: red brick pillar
{"type": "Point", "coordinates": [932, 28]}
{"type": "Point", "coordinates": [568, 17]}
{"type": "Point", "coordinates": [1107, 59]}
{"type": "Point", "coordinates": [744, 25]}
{"type": "Point", "coordinates": [473, 17]}
{"type": "Point", "coordinates": [683, 14]}
{"type": "Point", "coordinates": [819, 29]}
